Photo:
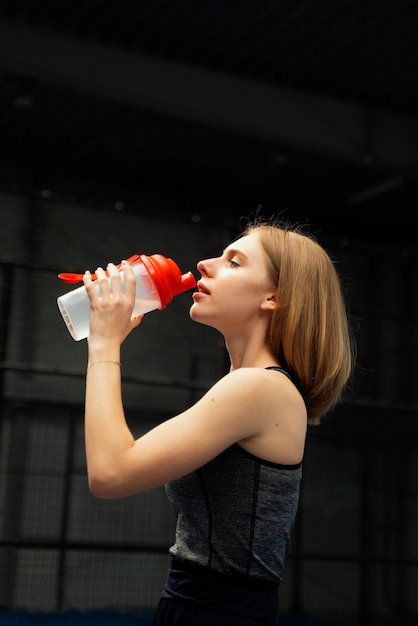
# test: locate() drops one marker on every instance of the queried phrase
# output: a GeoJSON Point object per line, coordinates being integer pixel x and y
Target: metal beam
{"type": "Point", "coordinates": [297, 120]}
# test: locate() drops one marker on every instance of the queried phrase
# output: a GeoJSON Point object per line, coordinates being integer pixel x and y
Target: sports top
{"type": "Point", "coordinates": [235, 515]}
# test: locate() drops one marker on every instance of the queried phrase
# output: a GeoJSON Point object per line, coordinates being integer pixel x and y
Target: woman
{"type": "Point", "coordinates": [232, 462]}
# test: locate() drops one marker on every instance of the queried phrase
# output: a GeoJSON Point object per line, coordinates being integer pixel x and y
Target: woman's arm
{"type": "Point", "coordinates": [236, 408]}
{"type": "Point", "coordinates": [106, 431]}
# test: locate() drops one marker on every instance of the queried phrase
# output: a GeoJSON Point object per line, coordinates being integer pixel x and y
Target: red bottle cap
{"type": "Point", "coordinates": [166, 276]}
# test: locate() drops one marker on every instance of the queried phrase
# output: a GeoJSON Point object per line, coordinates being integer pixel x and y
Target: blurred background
{"type": "Point", "coordinates": [162, 127]}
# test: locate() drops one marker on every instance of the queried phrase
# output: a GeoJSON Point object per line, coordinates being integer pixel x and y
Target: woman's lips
{"type": "Point", "coordinates": [201, 292]}
{"type": "Point", "coordinates": [201, 288]}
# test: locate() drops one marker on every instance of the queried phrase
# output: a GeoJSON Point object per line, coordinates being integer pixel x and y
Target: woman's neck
{"type": "Point", "coordinates": [247, 354]}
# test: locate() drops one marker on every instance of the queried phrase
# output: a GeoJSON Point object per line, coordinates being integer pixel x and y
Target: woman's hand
{"type": "Point", "coordinates": [111, 305]}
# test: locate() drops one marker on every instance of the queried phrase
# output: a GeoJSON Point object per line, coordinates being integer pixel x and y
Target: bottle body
{"type": "Point", "coordinates": [74, 306]}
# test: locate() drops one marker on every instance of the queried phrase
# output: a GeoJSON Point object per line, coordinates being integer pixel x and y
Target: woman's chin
{"type": "Point", "coordinates": [194, 314]}
{"type": "Point", "coordinates": [198, 317]}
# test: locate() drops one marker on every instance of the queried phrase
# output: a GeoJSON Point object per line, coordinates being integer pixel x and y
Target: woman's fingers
{"type": "Point", "coordinates": [130, 280]}
{"type": "Point", "coordinates": [135, 321]}
{"type": "Point", "coordinates": [115, 286]}
{"type": "Point", "coordinates": [102, 280]}
{"type": "Point", "coordinates": [112, 300]}
{"type": "Point", "coordinates": [110, 283]}
{"type": "Point", "coordinates": [89, 285]}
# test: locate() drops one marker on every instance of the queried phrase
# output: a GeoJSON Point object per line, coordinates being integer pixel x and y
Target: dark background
{"type": "Point", "coordinates": [141, 127]}
{"type": "Point", "coordinates": [217, 106]}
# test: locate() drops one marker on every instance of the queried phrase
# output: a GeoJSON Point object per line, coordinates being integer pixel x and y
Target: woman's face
{"type": "Point", "coordinates": [234, 288]}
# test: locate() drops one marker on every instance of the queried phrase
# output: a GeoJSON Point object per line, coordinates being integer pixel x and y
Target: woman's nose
{"type": "Point", "coordinates": [204, 266]}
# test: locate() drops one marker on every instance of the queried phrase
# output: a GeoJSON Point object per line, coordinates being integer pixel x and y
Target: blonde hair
{"type": "Point", "coordinates": [309, 330]}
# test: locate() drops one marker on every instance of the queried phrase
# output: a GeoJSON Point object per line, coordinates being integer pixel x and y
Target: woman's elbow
{"type": "Point", "coordinates": [103, 485]}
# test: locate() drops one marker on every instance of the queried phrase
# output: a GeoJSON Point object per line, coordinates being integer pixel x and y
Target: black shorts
{"type": "Point", "coordinates": [197, 597]}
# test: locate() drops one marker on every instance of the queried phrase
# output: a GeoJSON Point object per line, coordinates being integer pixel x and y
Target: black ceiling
{"type": "Point", "coordinates": [207, 108]}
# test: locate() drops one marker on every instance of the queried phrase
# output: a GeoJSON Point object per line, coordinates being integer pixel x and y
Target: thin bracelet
{"type": "Point", "coordinates": [95, 363]}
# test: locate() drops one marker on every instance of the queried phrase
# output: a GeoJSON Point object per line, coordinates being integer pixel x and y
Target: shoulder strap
{"type": "Point", "coordinates": [280, 369]}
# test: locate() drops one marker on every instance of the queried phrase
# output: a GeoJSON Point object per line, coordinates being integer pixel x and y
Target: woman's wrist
{"type": "Point", "coordinates": [103, 353]}
{"type": "Point", "coordinates": [103, 347]}
{"type": "Point", "coordinates": [104, 362]}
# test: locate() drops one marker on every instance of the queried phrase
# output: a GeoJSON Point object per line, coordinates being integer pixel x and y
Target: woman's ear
{"type": "Point", "coordinates": [269, 303]}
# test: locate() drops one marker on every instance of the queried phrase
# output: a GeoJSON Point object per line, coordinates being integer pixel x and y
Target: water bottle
{"type": "Point", "coordinates": [158, 280]}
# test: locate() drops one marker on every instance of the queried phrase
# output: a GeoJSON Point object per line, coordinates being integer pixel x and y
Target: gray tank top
{"type": "Point", "coordinates": [235, 515]}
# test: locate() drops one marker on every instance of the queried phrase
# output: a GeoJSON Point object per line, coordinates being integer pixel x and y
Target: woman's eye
{"type": "Point", "coordinates": [233, 263]}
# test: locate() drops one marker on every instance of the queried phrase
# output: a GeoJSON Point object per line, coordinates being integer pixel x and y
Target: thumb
{"type": "Point", "coordinates": [135, 321]}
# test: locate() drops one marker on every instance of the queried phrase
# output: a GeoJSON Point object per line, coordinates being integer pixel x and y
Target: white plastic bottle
{"type": "Point", "coordinates": [158, 280]}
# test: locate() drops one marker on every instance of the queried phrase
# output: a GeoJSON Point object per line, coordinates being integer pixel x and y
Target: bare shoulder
{"type": "Point", "coordinates": [247, 401]}
{"type": "Point", "coordinates": [266, 386]}
{"type": "Point", "coordinates": [258, 398]}
{"type": "Point", "coordinates": [273, 400]}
